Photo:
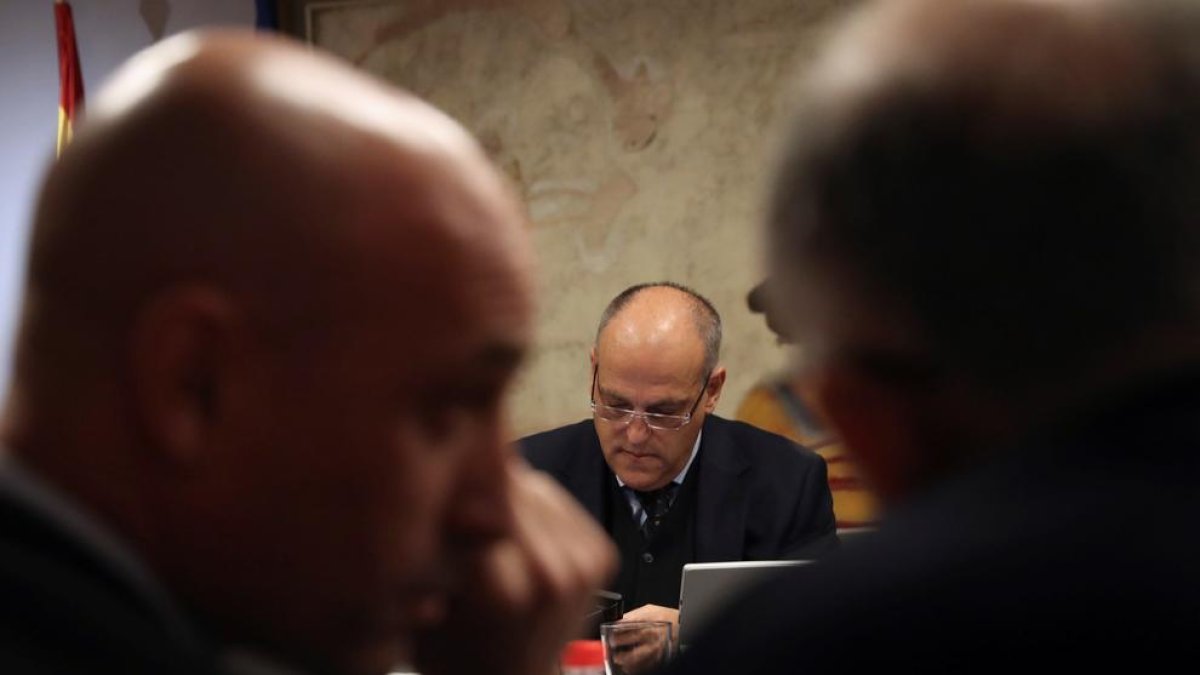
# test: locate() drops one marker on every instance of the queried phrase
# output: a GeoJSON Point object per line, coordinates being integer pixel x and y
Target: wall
{"type": "Point", "coordinates": [638, 133]}
{"type": "Point", "coordinates": [108, 31]}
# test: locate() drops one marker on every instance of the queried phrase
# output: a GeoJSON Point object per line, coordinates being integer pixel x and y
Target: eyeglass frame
{"type": "Point", "coordinates": [630, 415]}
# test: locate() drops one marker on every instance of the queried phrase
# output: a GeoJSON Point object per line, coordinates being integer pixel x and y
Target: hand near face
{"type": "Point", "coordinates": [521, 597]}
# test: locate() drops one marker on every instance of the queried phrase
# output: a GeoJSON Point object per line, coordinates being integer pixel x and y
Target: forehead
{"type": "Point", "coordinates": [419, 261]}
{"type": "Point", "coordinates": [399, 341]}
{"type": "Point", "coordinates": [648, 368]}
{"type": "Point", "coordinates": [425, 299]}
{"type": "Point", "coordinates": [458, 302]}
{"type": "Point", "coordinates": [656, 330]}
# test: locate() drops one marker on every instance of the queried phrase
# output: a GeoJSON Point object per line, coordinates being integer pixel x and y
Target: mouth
{"type": "Point", "coordinates": [639, 456]}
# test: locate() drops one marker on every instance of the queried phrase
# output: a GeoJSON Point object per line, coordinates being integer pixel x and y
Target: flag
{"type": "Point", "coordinates": [70, 77]}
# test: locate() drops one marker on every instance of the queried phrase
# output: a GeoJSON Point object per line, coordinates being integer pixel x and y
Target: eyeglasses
{"type": "Point", "coordinates": [623, 416]}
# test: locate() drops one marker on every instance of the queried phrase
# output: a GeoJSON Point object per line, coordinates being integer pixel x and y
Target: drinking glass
{"type": "Point", "coordinates": [636, 647]}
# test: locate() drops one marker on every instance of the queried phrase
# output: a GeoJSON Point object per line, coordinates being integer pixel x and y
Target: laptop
{"type": "Point", "coordinates": [707, 588]}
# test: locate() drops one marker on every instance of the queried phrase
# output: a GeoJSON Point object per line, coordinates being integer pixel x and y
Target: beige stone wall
{"type": "Point", "coordinates": [638, 133]}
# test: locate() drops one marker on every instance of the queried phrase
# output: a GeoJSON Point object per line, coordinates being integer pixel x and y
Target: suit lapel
{"type": "Point", "coordinates": [721, 499]}
{"type": "Point", "coordinates": [585, 477]}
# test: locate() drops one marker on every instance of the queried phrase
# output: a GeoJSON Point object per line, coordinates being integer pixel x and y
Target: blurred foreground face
{"type": "Point", "coordinates": [316, 293]}
{"type": "Point", "coordinates": [379, 433]}
{"type": "Point", "coordinates": [979, 220]}
{"type": "Point", "coordinates": [379, 447]}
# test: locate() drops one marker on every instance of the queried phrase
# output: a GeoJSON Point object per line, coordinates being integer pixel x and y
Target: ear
{"type": "Point", "coordinates": [181, 343]}
{"type": "Point", "coordinates": [879, 424]}
{"type": "Point", "coordinates": [716, 384]}
{"type": "Point", "coordinates": [592, 357]}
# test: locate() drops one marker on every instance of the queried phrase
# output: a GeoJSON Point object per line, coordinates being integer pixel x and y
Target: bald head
{"type": "Point", "coordinates": [252, 164]}
{"type": "Point", "coordinates": [236, 158]}
{"type": "Point", "coordinates": [663, 312]}
{"type": "Point", "coordinates": [274, 303]}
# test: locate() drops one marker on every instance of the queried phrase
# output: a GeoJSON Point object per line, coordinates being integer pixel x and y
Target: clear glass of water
{"type": "Point", "coordinates": [636, 647]}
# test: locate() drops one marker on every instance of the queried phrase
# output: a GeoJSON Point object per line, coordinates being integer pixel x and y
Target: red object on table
{"type": "Point", "coordinates": [583, 656]}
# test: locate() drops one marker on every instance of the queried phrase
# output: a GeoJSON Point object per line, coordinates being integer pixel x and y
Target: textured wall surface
{"type": "Point", "coordinates": [638, 133]}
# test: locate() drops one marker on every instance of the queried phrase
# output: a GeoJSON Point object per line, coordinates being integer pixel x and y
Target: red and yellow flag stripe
{"type": "Point", "coordinates": [70, 77]}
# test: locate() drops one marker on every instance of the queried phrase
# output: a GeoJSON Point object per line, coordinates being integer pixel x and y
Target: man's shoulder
{"type": "Point", "coordinates": [758, 446]}
{"type": "Point", "coordinates": [1080, 542]}
{"type": "Point", "coordinates": [949, 566]}
{"type": "Point", "coordinates": [64, 611]}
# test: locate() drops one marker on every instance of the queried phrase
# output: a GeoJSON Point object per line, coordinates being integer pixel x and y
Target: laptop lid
{"type": "Point", "coordinates": [707, 588]}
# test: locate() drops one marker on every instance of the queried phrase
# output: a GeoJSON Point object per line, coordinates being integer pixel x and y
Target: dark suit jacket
{"type": "Point", "coordinates": [1079, 547]}
{"type": "Point", "coordinates": [760, 496]}
{"type": "Point", "coordinates": [64, 610]}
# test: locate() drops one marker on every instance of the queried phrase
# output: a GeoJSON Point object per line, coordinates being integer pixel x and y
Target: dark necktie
{"type": "Point", "coordinates": [656, 503]}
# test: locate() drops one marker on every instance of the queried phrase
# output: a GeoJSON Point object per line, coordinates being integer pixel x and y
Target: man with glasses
{"type": "Point", "coordinates": [671, 482]}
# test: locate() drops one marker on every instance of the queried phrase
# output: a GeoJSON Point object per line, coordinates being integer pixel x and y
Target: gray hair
{"type": "Point", "coordinates": [708, 321]}
{"type": "Point", "coordinates": [1030, 220]}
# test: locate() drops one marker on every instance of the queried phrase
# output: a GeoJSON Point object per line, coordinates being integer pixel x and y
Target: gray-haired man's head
{"type": "Point", "coordinates": [992, 197]}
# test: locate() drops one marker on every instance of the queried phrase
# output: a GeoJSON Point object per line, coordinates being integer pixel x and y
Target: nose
{"type": "Point", "coordinates": [638, 431]}
{"type": "Point", "coordinates": [481, 506]}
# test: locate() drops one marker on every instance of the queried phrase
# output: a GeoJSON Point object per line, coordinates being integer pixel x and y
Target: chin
{"type": "Point", "coordinates": [642, 481]}
{"type": "Point", "coordinates": [645, 473]}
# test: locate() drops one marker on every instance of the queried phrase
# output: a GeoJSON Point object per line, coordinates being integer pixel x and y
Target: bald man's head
{"type": "Point", "coordinates": [655, 354]}
{"type": "Point", "coordinates": [272, 308]}
{"type": "Point", "coordinates": [216, 158]}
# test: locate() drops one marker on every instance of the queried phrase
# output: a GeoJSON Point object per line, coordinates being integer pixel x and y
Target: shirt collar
{"type": "Point", "coordinates": [678, 480]}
